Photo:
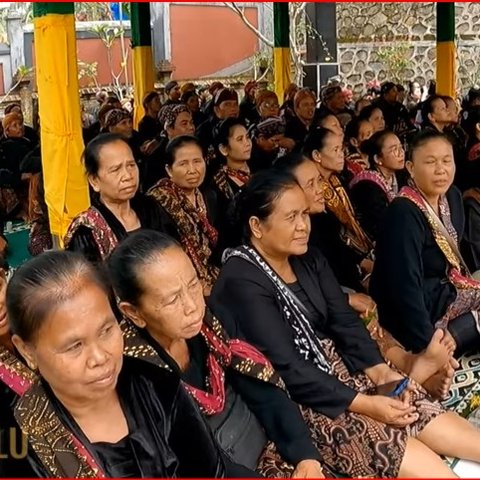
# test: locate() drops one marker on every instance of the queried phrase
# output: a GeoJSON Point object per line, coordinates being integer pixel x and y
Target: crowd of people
{"type": "Point", "coordinates": [257, 289]}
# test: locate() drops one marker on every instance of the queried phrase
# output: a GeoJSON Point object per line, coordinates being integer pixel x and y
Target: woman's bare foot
{"type": "Point", "coordinates": [438, 385]}
{"type": "Point", "coordinates": [435, 356]}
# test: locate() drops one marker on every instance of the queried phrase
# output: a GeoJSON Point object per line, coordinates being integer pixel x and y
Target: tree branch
{"type": "Point", "coordinates": [241, 13]}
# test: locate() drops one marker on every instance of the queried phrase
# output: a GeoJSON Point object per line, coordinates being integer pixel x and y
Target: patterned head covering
{"type": "Point", "coordinates": [115, 116]}
{"type": "Point", "coordinates": [170, 113]}
{"type": "Point", "coordinates": [269, 128]}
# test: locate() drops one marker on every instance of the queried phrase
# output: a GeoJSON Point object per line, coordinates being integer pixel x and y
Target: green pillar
{"type": "Point", "coordinates": [143, 73]}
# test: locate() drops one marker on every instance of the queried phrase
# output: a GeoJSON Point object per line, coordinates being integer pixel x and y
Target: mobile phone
{"type": "Point", "coordinates": [393, 389]}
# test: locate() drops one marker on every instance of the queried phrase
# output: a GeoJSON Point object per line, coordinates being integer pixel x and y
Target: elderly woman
{"type": "Point", "coordinates": [191, 214]}
{"type": "Point", "coordinates": [117, 207]}
{"type": "Point", "coordinates": [421, 282]}
{"type": "Point", "coordinates": [108, 416]}
{"type": "Point", "coordinates": [120, 121]}
{"type": "Point", "coordinates": [372, 190]}
{"type": "Point", "coordinates": [306, 173]}
{"type": "Point", "coordinates": [176, 120]}
{"type": "Point", "coordinates": [355, 264]}
{"type": "Point", "coordinates": [364, 426]}
{"type": "Point", "coordinates": [161, 295]}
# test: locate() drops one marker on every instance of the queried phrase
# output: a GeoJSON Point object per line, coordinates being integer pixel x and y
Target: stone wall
{"type": "Point", "coordinates": [397, 41]}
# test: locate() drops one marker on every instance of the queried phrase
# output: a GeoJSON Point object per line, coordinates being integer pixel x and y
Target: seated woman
{"type": "Point", "coordinates": [15, 379]}
{"type": "Point", "coordinates": [92, 412]}
{"type": "Point", "coordinates": [267, 106]}
{"type": "Point", "coordinates": [420, 282]}
{"type": "Point", "coordinates": [120, 121]}
{"type": "Point", "coordinates": [175, 120]}
{"type": "Point", "coordinates": [353, 268]}
{"type": "Point", "coordinates": [322, 350]}
{"type": "Point", "coordinates": [356, 132]}
{"type": "Point", "coordinates": [372, 190]}
{"type": "Point", "coordinates": [234, 148]}
{"type": "Point", "coordinates": [374, 115]}
{"type": "Point", "coordinates": [191, 214]}
{"type": "Point", "coordinates": [267, 137]}
{"type": "Point", "coordinates": [117, 207]}
{"type": "Point", "coordinates": [470, 166]}
{"type": "Point", "coordinates": [161, 295]}
{"type": "Point", "coordinates": [15, 183]}
{"type": "Point", "coordinates": [306, 173]}
{"type": "Point", "coordinates": [471, 238]}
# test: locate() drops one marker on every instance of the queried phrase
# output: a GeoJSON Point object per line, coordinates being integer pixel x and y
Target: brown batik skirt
{"type": "Point", "coordinates": [355, 445]}
{"type": "Point", "coordinates": [467, 300]}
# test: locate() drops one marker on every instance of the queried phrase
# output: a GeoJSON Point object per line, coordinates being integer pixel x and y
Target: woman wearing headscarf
{"type": "Point", "coordinates": [176, 120]}
{"type": "Point", "coordinates": [120, 121]}
{"type": "Point", "coordinates": [267, 137]}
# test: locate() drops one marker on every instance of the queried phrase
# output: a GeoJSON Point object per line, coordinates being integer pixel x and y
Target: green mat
{"type": "Point", "coordinates": [17, 237]}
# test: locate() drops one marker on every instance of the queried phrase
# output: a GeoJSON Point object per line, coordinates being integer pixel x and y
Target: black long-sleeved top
{"type": "Point", "coordinates": [279, 416]}
{"type": "Point", "coordinates": [344, 260]}
{"type": "Point", "coordinates": [250, 297]}
{"type": "Point", "coordinates": [167, 435]}
{"type": "Point", "coordinates": [471, 238]}
{"type": "Point", "coordinates": [409, 280]}
{"type": "Point", "coordinates": [151, 216]}
{"type": "Point", "coordinates": [371, 202]}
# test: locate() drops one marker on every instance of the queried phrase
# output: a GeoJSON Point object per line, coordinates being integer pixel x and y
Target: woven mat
{"type": "Point", "coordinates": [466, 383]}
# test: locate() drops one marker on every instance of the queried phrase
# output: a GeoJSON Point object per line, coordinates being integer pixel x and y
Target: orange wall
{"type": "Point", "coordinates": [206, 39]}
{"type": "Point", "coordinates": [93, 50]}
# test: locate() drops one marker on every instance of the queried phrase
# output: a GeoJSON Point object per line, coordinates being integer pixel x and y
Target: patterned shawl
{"type": "Point", "coordinates": [338, 203]}
{"type": "Point", "coordinates": [59, 451]}
{"type": "Point", "coordinates": [221, 180]}
{"type": "Point", "coordinates": [445, 236]}
{"type": "Point", "coordinates": [378, 179]}
{"type": "Point", "coordinates": [306, 341]}
{"type": "Point", "coordinates": [102, 234]}
{"type": "Point", "coordinates": [223, 353]}
{"type": "Point", "coordinates": [198, 236]}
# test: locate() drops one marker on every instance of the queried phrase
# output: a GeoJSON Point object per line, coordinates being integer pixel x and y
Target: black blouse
{"type": "Point", "coordinates": [371, 202]}
{"type": "Point", "coordinates": [344, 261]}
{"type": "Point", "coordinates": [167, 437]}
{"type": "Point", "coordinates": [409, 280]}
{"type": "Point", "coordinates": [251, 298]}
{"type": "Point", "coordinates": [275, 412]}
{"type": "Point", "coordinates": [151, 217]}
